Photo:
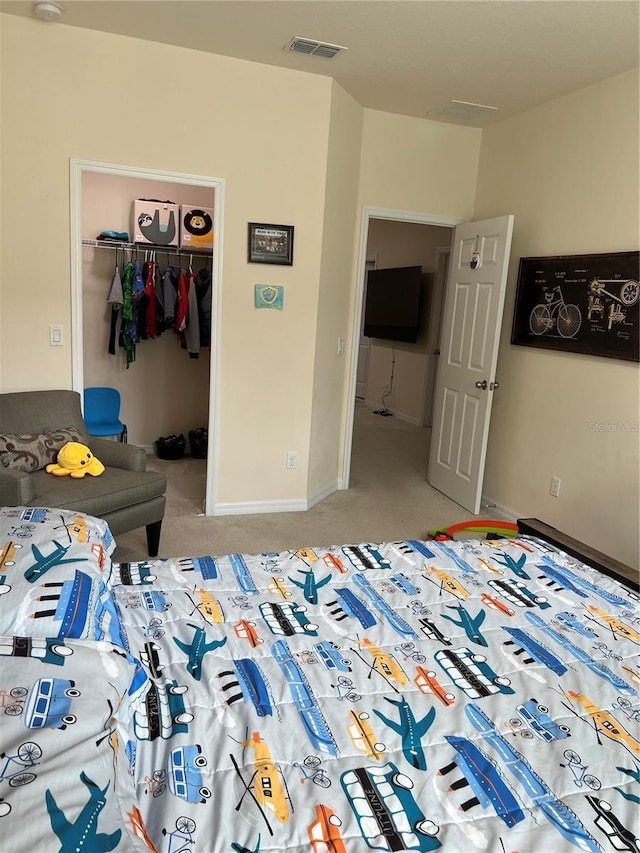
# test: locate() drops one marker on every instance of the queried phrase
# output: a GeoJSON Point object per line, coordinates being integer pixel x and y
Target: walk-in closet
{"type": "Point", "coordinates": [160, 366]}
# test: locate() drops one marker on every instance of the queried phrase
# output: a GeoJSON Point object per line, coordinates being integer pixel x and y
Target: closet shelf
{"type": "Point", "coordinates": [146, 247]}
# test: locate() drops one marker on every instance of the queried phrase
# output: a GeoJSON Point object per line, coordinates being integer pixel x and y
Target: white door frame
{"type": "Point", "coordinates": [370, 264]}
{"type": "Point", "coordinates": [367, 214]}
{"type": "Point", "coordinates": [435, 331]}
{"type": "Point", "coordinates": [77, 168]}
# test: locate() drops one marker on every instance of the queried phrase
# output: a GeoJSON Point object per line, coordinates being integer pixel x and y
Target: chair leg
{"type": "Point", "coordinates": [153, 538]}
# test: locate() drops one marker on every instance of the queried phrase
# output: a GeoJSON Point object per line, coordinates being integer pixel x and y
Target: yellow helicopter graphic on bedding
{"type": "Point", "coordinates": [616, 625]}
{"type": "Point", "coordinates": [266, 782]}
{"type": "Point", "coordinates": [447, 582]}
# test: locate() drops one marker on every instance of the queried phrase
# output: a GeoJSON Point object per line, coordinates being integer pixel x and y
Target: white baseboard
{"type": "Point", "coordinates": [266, 507]}
{"type": "Point", "coordinates": [500, 510]}
{"type": "Point", "coordinates": [260, 507]}
{"type": "Point", "coordinates": [329, 489]}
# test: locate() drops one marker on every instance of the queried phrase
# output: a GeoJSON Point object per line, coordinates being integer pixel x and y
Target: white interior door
{"type": "Point", "coordinates": [474, 301]}
{"type": "Point", "coordinates": [363, 347]}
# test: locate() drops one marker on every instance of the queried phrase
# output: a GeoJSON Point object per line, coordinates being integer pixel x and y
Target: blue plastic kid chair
{"type": "Point", "coordinates": [102, 412]}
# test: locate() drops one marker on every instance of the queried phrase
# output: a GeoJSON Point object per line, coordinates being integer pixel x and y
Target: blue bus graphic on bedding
{"type": "Point", "coordinates": [49, 704]}
{"type": "Point", "coordinates": [183, 774]}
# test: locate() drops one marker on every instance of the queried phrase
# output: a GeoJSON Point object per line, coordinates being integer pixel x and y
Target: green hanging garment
{"type": "Point", "coordinates": [129, 330]}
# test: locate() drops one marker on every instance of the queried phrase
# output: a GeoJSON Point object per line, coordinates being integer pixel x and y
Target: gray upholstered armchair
{"type": "Point", "coordinates": [126, 495]}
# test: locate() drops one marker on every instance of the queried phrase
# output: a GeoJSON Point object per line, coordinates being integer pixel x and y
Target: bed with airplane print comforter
{"type": "Point", "coordinates": [414, 695]}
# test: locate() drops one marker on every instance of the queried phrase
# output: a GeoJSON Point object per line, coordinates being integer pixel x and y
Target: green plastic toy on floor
{"type": "Point", "coordinates": [493, 528]}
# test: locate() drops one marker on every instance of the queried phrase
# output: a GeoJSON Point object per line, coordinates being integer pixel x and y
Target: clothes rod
{"type": "Point", "coordinates": [146, 247]}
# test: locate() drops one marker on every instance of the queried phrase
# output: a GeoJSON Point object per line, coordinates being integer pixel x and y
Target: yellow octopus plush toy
{"type": "Point", "coordinates": [75, 460]}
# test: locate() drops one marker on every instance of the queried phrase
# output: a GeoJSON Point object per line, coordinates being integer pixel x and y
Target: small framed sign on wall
{"type": "Point", "coordinates": [586, 304]}
{"type": "Point", "coordinates": [270, 244]}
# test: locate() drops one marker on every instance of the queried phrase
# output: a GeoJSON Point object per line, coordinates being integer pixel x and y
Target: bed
{"type": "Point", "coordinates": [411, 695]}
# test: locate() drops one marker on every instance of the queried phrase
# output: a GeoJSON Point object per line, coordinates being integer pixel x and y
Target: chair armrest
{"type": "Point", "coordinates": [113, 454]}
{"type": "Point", "coordinates": [16, 488]}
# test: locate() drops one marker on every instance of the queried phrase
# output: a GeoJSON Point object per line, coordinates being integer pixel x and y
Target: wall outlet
{"type": "Point", "coordinates": [555, 487]}
{"type": "Point", "coordinates": [340, 346]}
{"type": "Point", "coordinates": [292, 460]}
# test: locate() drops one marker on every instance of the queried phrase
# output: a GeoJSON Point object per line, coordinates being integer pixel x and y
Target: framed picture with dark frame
{"type": "Point", "coordinates": [588, 304]}
{"type": "Point", "coordinates": [270, 244]}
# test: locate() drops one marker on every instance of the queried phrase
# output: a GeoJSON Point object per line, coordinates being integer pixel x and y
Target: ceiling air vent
{"type": "Point", "coordinates": [310, 47]}
{"type": "Point", "coordinates": [461, 111]}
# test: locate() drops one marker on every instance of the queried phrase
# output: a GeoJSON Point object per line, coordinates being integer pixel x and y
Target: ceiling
{"type": "Point", "coordinates": [404, 56]}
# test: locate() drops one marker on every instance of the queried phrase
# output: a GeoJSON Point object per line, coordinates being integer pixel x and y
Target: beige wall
{"type": "Point", "coordinates": [287, 145]}
{"type": "Point", "coordinates": [331, 370]}
{"type": "Point", "coordinates": [180, 397]}
{"type": "Point", "coordinates": [418, 165]}
{"type": "Point", "coordinates": [569, 172]}
{"type": "Point", "coordinates": [72, 93]}
{"type": "Point", "coordinates": [403, 244]}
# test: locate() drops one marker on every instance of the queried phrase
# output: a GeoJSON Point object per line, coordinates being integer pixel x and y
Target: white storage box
{"type": "Point", "coordinates": [196, 227]}
{"type": "Point", "coordinates": [155, 222]}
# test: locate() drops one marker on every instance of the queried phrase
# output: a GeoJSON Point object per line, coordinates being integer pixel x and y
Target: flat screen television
{"type": "Point", "coordinates": [392, 308]}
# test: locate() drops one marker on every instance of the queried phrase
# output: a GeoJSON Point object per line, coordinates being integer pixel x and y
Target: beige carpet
{"type": "Point", "coordinates": [388, 499]}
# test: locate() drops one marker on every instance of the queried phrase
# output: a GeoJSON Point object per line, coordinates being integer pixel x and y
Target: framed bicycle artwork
{"type": "Point", "coordinates": [587, 304]}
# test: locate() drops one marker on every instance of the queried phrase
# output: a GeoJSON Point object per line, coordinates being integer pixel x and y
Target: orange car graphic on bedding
{"type": "Point", "coordinates": [324, 834]}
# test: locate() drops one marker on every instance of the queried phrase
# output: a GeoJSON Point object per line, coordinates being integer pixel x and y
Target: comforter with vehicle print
{"type": "Point", "coordinates": [413, 695]}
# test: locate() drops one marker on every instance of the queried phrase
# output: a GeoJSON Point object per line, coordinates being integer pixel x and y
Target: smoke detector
{"type": "Point", "coordinates": [47, 10]}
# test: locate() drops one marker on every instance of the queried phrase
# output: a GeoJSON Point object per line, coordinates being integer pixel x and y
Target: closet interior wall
{"type": "Point", "coordinates": [164, 391]}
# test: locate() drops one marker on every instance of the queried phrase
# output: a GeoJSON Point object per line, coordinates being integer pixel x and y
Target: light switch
{"type": "Point", "coordinates": [55, 336]}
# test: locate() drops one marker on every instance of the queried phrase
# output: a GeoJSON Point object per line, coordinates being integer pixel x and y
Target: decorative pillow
{"type": "Point", "coordinates": [32, 452]}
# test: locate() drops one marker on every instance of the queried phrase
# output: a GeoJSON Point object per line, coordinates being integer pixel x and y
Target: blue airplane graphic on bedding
{"type": "Point", "coordinates": [310, 586]}
{"type": "Point", "coordinates": [410, 730]}
{"type": "Point", "coordinates": [197, 649]}
{"type": "Point", "coordinates": [470, 624]}
{"type": "Point", "coordinates": [516, 566]}
{"type": "Point", "coordinates": [44, 562]}
{"type": "Point", "coordinates": [82, 834]}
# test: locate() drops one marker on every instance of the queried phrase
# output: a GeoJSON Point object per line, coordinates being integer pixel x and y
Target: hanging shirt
{"type": "Point", "coordinates": [150, 294]}
{"type": "Point", "coordinates": [169, 297]}
{"type": "Point", "coordinates": [128, 334]}
{"type": "Point", "coordinates": [203, 292]}
{"type": "Point", "coordinates": [116, 300]}
{"type": "Point", "coordinates": [182, 305]}
{"type": "Point", "coordinates": [157, 286]}
{"type": "Point", "coordinates": [192, 328]}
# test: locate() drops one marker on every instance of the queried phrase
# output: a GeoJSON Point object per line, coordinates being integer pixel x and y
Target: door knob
{"type": "Point", "coordinates": [493, 386]}
{"type": "Point", "coordinates": [482, 385]}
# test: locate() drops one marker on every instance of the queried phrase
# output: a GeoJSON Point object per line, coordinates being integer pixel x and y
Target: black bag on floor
{"type": "Point", "coordinates": [170, 446]}
{"type": "Point", "coordinates": [198, 439]}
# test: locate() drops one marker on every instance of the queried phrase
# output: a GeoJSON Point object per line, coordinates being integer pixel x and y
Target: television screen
{"type": "Point", "coordinates": [393, 304]}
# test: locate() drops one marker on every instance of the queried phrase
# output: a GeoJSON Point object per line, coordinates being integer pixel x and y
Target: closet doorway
{"type": "Point", "coordinates": [164, 391]}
